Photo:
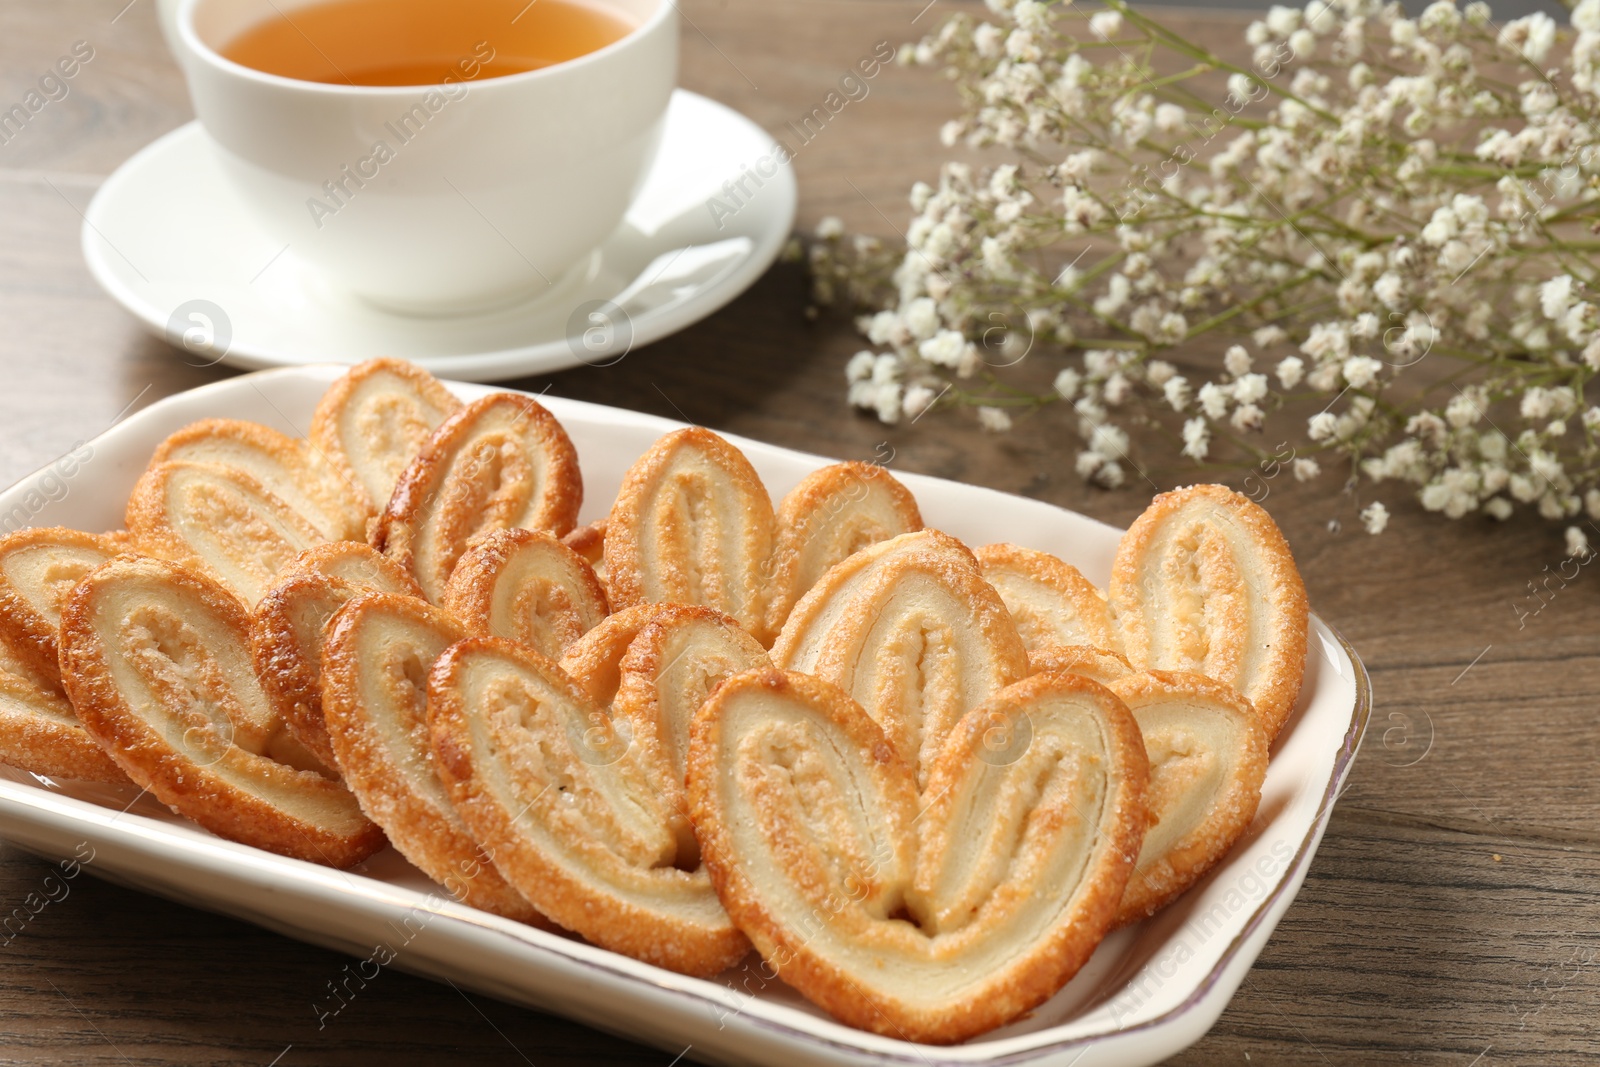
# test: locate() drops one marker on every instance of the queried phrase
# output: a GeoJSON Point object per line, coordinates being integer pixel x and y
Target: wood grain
{"type": "Point", "coordinates": [1451, 916]}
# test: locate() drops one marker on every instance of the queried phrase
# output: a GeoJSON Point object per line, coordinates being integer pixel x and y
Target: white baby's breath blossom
{"type": "Point", "coordinates": [1577, 543]}
{"type": "Point", "coordinates": [917, 400]}
{"type": "Point", "coordinates": [1196, 438]}
{"type": "Point", "coordinates": [1369, 192]}
{"type": "Point", "coordinates": [993, 419]}
{"type": "Point", "coordinates": [1105, 24]}
{"type": "Point", "coordinates": [860, 366]}
{"type": "Point", "coordinates": [944, 348]}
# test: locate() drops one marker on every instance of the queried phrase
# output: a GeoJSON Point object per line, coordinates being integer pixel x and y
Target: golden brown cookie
{"type": "Point", "coordinates": [220, 522]}
{"type": "Point", "coordinates": [909, 629]}
{"type": "Point", "coordinates": [156, 661]}
{"type": "Point", "coordinates": [375, 663]}
{"type": "Point", "coordinates": [40, 732]}
{"type": "Point", "coordinates": [674, 663]}
{"type": "Point", "coordinates": [546, 782]}
{"type": "Point", "coordinates": [373, 421]}
{"type": "Point", "coordinates": [498, 463]}
{"type": "Point", "coordinates": [595, 660]}
{"type": "Point", "coordinates": [1208, 759]}
{"type": "Point", "coordinates": [1103, 665]}
{"type": "Point", "coordinates": [692, 524]}
{"type": "Point", "coordinates": [1204, 582]}
{"type": "Point", "coordinates": [38, 568]}
{"type": "Point", "coordinates": [928, 924]}
{"type": "Point", "coordinates": [282, 465]}
{"type": "Point", "coordinates": [525, 586]}
{"type": "Point", "coordinates": [1051, 603]}
{"type": "Point", "coordinates": [831, 515]}
{"type": "Point", "coordinates": [287, 628]}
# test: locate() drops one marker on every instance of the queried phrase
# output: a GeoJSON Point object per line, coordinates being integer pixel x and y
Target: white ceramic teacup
{"type": "Point", "coordinates": [434, 200]}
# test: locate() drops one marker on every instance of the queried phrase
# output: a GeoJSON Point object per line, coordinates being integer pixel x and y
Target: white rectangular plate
{"type": "Point", "coordinates": [1149, 991]}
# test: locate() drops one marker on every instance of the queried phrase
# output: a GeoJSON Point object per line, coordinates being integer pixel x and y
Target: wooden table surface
{"type": "Point", "coordinates": [1452, 915]}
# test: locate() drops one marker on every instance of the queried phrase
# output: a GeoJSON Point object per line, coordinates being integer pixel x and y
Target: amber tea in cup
{"type": "Point", "coordinates": [422, 42]}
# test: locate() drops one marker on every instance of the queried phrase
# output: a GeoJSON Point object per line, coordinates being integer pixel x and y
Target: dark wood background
{"type": "Point", "coordinates": [1451, 917]}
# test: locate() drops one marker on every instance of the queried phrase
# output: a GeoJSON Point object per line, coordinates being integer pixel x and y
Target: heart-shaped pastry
{"type": "Point", "coordinates": [281, 464]}
{"type": "Point", "coordinates": [595, 660]}
{"type": "Point", "coordinates": [1204, 582]}
{"type": "Point", "coordinates": [500, 462]}
{"type": "Point", "coordinates": [908, 629]}
{"type": "Point", "coordinates": [38, 568]}
{"type": "Point", "coordinates": [218, 521]}
{"type": "Point", "coordinates": [375, 663]}
{"type": "Point", "coordinates": [1101, 664]}
{"type": "Point", "coordinates": [373, 421]}
{"type": "Point", "coordinates": [1051, 603]}
{"type": "Point", "coordinates": [574, 819]}
{"type": "Point", "coordinates": [524, 585]}
{"type": "Point", "coordinates": [156, 661]}
{"type": "Point", "coordinates": [1208, 758]}
{"type": "Point", "coordinates": [831, 515]}
{"type": "Point", "coordinates": [692, 524]}
{"type": "Point", "coordinates": [287, 628]}
{"type": "Point", "coordinates": [40, 732]}
{"type": "Point", "coordinates": [672, 665]}
{"type": "Point", "coordinates": [928, 924]}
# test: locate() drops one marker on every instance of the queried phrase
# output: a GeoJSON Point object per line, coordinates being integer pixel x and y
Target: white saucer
{"type": "Point", "coordinates": [167, 237]}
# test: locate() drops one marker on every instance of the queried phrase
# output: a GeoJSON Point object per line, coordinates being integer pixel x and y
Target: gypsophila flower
{"type": "Point", "coordinates": [917, 400]}
{"type": "Point", "coordinates": [1196, 438]}
{"type": "Point", "coordinates": [1176, 391]}
{"type": "Point", "coordinates": [1290, 370]}
{"type": "Point", "coordinates": [995, 420]}
{"type": "Point", "coordinates": [1577, 543]}
{"type": "Point", "coordinates": [1105, 24]}
{"type": "Point", "coordinates": [944, 348]}
{"type": "Point", "coordinates": [1373, 193]}
{"type": "Point", "coordinates": [1375, 517]}
{"type": "Point", "coordinates": [860, 366]}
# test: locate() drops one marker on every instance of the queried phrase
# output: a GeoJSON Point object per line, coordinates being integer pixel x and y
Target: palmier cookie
{"type": "Point", "coordinates": [911, 631]}
{"type": "Point", "coordinates": [1205, 582]}
{"type": "Point", "coordinates": [283, 466]}
{"type": "Point", "coordinates": [500, 462]}
{"type": "Point", "coordinates": [375, 663]}
{"type": "Point", "coordinates": [38, 568]}
{"type": "Point", "coordinates": [287, 628]}
{"type": "Point", "coordinates": [832, 514]}
{"type": "Point", "coordinates": [1208, 759]}
{"type": "Point", "coordinates": [156, 660]}
{"type": "Point", "coordinates": [220, 522]}
{"type": "Point", "coordinates": [595, 660]}
{"type": "Point", "coordinates": [525, 586]}
{"type": "Point", "coordinates": [373, 421]}
{"type": "Point", "coordinates": [542, 777]}
{"type": "Point", "coordinates": [1101, 664]}
{"type": "Point", "coordinates": [1051, 603]}
{"type": "Point", "coordinates": [692, 524]}
{"type": "Point", "coordinates": [674, 661]}
{"type": "Point", "coordinates": [40, 732]}
{"type": "Point", "coordinates": [928, 924]}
